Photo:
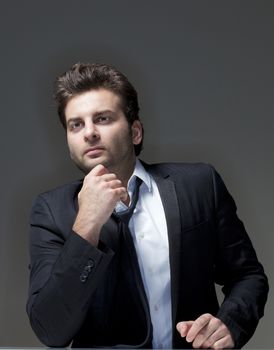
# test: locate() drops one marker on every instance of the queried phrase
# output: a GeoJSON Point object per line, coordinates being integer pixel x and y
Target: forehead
{"type": "Point", "coordinates": [93, 101]}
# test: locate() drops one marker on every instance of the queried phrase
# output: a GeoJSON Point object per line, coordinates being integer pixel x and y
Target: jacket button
{"type": "Point", "coordinates": [90, 263]}
{"type": "Point", "coordinates": [84, 276]}
{"type": "Point", "coordinates": [87, 269]}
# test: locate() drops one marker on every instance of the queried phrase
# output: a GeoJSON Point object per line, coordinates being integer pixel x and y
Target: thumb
{"type": "Point", "coordinates": [184, 327]}
{"type": "Point", "coordinates": [124, 196]}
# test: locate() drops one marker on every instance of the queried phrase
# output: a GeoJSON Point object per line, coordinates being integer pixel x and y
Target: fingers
{"type": "Point", "coordinates": [217, 340]}
{"type": "Point", "coordinates": [99, 170]}
{"type": "Point", "coordinates": [123, 195]}
{"type": "Point", "coordinates": [101, 177]}
{"type": "Point", "coordinates": [184, 327]}
{"type": "Point", "coordinates": [198, 326]}
{"type": "Point", "coordinates": [116, 186]}
{"type": "Point", "coordinates": [101, 173]}
{"type": "Point", "coordinates": [224, 343]}
{"type": "Point", "coordinates": [115, 183]}
{"type": "Point", "coordinates": [206, 331]}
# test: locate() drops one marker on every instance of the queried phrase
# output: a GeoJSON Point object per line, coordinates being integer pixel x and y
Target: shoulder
{"type": "Point", "coordinates": [56, 207]}
{"type": "Point", "coordinates": [199, 178]}
{"type": "Point", "coordinates": [61, 196]}
{"type": "Point", "coordinates": [68, 190]}
{"type": "Point", "coordinates": [182, 170]}
{"type": "Point", "coordinates": [199, 182]}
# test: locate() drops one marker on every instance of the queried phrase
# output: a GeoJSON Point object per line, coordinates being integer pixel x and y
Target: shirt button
{"type": "Point", "coordinates": [156, 307]}
{"type": "Point", "coordinates": [141, 235]}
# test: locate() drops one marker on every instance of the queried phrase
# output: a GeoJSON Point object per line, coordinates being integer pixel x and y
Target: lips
{"type": "Point", "coordinates": [93, 151]}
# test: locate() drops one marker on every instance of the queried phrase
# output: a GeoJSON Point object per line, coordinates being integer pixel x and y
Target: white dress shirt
{"type": "Point", "coordinates": [149, 232]}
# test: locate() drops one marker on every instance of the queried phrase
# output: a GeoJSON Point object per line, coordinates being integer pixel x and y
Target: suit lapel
{"type": "Point", "coordinates": [170, 203]}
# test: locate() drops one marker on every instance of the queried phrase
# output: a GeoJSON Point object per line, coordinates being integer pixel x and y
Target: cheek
{"type": "Point", "coordinates": [118, 139]}
{"type": "Point", "coordinates": [69, 143]}
{"type": "Point", "coordinates": [124, 141]}
{"type": "Point", "coordinates": [72, 145]}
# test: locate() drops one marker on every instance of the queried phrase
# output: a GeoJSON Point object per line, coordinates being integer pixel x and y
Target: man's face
{"type": "Point", "coordinates": [98, 132]}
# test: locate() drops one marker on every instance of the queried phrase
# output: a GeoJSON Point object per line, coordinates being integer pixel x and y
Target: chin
{"type": "Point", "coordinates": [88, 166]}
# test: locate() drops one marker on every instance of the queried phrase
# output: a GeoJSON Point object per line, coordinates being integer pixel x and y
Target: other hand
{"type": "Point", "coordinates": [206, 332]}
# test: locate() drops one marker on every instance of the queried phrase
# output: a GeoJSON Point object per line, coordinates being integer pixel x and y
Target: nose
{"type": "Point", "coordinates": [91, 132]}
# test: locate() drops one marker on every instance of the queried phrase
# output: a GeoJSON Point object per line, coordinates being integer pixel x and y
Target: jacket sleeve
{"type": "Point", "coordinates": [237, 269]}
{"type": "Point", "coordinates": [64, 273]}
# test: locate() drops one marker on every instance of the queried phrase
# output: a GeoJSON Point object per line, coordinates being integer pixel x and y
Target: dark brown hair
{"type": "Point", "coordinates": [82, 77]}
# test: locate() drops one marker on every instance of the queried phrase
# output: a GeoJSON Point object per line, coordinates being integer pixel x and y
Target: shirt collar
{"type": "Point", "coordinates": [139, 171]}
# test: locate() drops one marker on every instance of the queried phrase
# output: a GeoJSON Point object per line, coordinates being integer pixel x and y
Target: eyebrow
{"type": "Point", "coordinates": [103, 111]}
{"type": "Point", "coordinates": [96, 114]}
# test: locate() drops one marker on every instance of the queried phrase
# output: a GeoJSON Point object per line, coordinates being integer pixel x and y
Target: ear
{"type": "Point", "coordinates": [137, 132]}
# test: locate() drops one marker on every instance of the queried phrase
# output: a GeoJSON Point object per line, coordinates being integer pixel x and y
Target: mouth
{"type": "Point", "coordinates": [93, 151]}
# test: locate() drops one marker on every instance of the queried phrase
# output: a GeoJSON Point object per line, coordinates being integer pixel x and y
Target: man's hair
{"type": "Point", "coordinates": [82, 77]}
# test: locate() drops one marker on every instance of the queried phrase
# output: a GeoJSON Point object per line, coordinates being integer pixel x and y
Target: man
{"type": "Point", "coordinates": [97, 281]}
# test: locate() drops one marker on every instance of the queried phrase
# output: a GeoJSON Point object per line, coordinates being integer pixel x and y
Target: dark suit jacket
{"type": "Point", "coordinates": [94, 297]}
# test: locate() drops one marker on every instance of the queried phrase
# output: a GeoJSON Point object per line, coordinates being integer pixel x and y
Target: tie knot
{"type": "Point", "coordinates": [125, 215]}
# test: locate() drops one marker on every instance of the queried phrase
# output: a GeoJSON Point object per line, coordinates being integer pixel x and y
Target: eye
{"type": "Point", "coordinates": [75, 125]}
{"type": "Point", "coordinates": [103, 119]}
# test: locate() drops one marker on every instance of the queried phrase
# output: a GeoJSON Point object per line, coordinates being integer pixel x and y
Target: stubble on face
{"type": "Point", "coordinates": [114, 136]}
{"type": "Point", "coordinates": [120, 155]}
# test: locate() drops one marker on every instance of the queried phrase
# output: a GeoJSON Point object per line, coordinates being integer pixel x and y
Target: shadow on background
{"type": "Point", "coordinates": [204, 73]}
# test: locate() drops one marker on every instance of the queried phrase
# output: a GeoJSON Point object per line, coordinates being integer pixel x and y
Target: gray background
{"type": "Point", "coordinates": [204, 72]}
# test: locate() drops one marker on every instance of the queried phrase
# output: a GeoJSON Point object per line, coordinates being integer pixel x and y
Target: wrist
{"type": "Point", "coordinates": [87, 230]}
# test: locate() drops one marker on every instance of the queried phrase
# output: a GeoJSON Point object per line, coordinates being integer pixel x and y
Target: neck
{"type": "Point", "coordinates": [124, 170]}
{"type": "Point", "coordinates": [124, 174]}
